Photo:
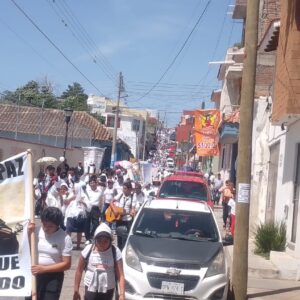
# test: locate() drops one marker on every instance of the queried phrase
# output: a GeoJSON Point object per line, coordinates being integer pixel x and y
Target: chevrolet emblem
{"type": "Point", "coordinates": [173, 272]}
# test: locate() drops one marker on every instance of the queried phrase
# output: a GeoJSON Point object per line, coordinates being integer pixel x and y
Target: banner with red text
{"type": "Point", "coordinates": [207, 123]}
{"type": "Point", "coordinates": [15, 261]}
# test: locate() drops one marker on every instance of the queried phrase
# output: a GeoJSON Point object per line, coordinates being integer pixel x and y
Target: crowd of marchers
{"type": "Point", "coordinates": [69, 201]}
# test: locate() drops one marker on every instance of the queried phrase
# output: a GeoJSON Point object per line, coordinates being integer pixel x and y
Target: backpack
{"type": "Point", "coordinates": [90, 251]}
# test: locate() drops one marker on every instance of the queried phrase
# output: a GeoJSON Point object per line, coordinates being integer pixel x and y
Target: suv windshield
{"type": "Point", "coordinates": [177, 224]}
{"type": "Point", "coordinates": [183, 189]}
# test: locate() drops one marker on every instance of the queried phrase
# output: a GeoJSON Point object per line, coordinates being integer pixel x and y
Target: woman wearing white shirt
{"type": "Point", "coordinates": [54, 254]}
{"type": "Point", "coordinates": [103, 264]}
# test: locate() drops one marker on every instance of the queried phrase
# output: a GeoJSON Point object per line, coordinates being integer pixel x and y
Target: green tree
{"type": "Point", "coordinates": [31, 94]}
{"type": "Point", "coordinates": [48, 97]}
{"type": "Point", "coordinates": [74, 97]}
{"type": "Point", "coordinates": [8, 97]}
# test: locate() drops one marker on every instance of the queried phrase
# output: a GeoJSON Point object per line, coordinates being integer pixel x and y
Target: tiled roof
{"type": "Point", "coordinates": [50, 122]}
{"type": "Point", "coordinates": [232, 117]}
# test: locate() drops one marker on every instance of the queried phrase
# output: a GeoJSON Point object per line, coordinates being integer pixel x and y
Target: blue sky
{"type": "Point", "coordinates": [140, 38]}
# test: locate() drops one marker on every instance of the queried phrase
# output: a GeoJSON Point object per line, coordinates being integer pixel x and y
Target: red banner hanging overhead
{"type": "Point", "coordinates": [207, 122]}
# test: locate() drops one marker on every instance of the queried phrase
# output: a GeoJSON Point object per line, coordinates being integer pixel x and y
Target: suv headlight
{"type": "Point", "coordinates": [217, 266]}
{"type": "Point", "coordinates": [132, 259]}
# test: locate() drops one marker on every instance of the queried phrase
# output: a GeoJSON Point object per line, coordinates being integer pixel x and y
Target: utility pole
{"type": "Point", "coordinates": [241, 235]}
{"type": "Point", "coordinates": [114, 143]}
{"type": "Point", "coordinates": [145, 136]}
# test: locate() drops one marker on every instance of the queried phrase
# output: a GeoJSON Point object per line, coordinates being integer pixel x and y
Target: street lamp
{"type": "Point", "coordinates": [68, 113]}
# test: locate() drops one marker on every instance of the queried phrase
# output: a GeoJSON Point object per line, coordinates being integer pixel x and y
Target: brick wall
{"type": "Point", "coordinates": [287, 74]}
{"type": "Point", "coordinates": [270, 11]}
{"type": "Point", "coordinates": [183, 133]}
{"type": "Point", "coordinates": [264, 80]}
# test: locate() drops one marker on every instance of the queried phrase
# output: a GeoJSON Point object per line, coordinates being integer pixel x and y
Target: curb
{"type": "Point", "coordinates": [258, 267]}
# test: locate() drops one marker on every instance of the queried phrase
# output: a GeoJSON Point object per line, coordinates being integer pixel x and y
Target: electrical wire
{"type": "Point", "coordinates": [91, 41]}
{"type": "Point", "coordinates": [55, 46]}
{"type": "Point", "coordinates": [79, 33]}
{"type": "Point", "coordinates": [203, 79]}
{"type": "Point", "coordinates": [29, 45]}
{"type": "Point", "coordinates": [178, 53]}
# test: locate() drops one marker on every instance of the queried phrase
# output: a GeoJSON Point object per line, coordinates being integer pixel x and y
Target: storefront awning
{"type": "Point", "coordinates": [229, 133]}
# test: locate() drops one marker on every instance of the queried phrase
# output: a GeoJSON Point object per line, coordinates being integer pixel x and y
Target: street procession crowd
{"type": "Point", "coordinates": [72, 202]}
{"type": "Point", "coordinates": [69, 201]}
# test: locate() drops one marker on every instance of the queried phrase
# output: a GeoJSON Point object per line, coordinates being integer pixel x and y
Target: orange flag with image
{"type": "Point", "coordinates": [207, 122]}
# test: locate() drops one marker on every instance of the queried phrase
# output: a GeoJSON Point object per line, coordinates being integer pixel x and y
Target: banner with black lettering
{"type": "Point", "coordinates": [15, 262]}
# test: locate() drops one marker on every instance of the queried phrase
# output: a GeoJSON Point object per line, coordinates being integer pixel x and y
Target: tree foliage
{"type": "Point", "coordinates": [31, 94]}
{"type": "Point", "coordinates": [74, 97]}
{"type": "Point", "coordinates": [41, 94]}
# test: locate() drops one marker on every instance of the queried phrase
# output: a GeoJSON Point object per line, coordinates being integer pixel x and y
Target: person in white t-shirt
{"type": "Point", "coordinates": [53, 198]}
{"type": "Point", "coordinates": [148, 192]}
{"type": "Point", "coordinates": [103, 265]}
{"type": "Point", "coordinates": [93, 197]}
{"type": "Point", "coordinates": [109, 193]}
{"type": "Point", "coordinates": [138, 196]}
{"type": "Point", "coordinates": [118, 185]}
{"type": "Point", "coordinates": [231, 204]}
{"type": "Point", "coordinates": [54, 248]}
{"type": "Point", "coordinates": [126, 202]}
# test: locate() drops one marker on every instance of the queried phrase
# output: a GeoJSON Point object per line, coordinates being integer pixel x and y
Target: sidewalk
{"type": "Point", "coordinates": [257, 265]}
{"type": "Point", "coordinates": [264, 278]}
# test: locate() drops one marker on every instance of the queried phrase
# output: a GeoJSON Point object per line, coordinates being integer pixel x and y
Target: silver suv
{"type": "Point", "coordinates": [174, 251]}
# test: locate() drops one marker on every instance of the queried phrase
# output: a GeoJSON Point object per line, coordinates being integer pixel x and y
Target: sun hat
{"type": "Point", "coordinates": [103, 230]}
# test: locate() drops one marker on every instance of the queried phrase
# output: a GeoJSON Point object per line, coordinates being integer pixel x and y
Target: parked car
{"type": "Point", "coordinates": [175, 251]}
{"type": "Point", "coordinates": [185, 187]}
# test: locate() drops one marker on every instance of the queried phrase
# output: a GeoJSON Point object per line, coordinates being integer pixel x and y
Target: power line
{"type": "Point", "coordinates": [77, 30]}
{"type": "Point", "coordinates": [92, 42]}
{"type": "Point", "coordinates": [55, 46]}
{"type": "Point", "coordinates": [176, 56]}
{"type": "Point", "coordinates": [28, 44]}
{"type": "Point", "coordinates": [203, 79]}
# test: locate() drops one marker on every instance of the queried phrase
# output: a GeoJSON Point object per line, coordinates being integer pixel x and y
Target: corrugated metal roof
{"type": "Point", "coordinates": [50, 122]}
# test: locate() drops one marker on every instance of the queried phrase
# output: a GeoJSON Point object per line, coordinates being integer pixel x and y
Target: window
{"type": "Point", "coordinates": [135, 125]}
{"type": "Point", "coordinates": [183, 189]}
{"type": "Point", "coordinates": [223, 158]}
{"type": "Point", "coordinates": [110, 121]}
{"type": "Point", "coordinates": [165, 223]}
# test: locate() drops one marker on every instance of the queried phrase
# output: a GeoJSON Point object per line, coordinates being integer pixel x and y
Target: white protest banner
{"type": "Point", "coordinates": [146, 170]}
{"type": "Point", "coordinates": [15, 197]}
{"type": "Point", "coordinates": [92, 159]}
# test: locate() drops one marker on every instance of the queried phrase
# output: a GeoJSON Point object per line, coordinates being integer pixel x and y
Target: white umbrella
{"type": "Point", "coordinates": [46, 160]}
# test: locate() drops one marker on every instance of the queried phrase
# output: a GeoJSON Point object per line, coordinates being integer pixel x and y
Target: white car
{"type": "Point", "coordinates": [174, 251]}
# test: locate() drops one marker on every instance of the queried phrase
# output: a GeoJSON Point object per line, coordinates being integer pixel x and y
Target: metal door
{"type": "Point", "coordinates": [296, 196]}
{"type": "Point", "coordinates": [272, 182]}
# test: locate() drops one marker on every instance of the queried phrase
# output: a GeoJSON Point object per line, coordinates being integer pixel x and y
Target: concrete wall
{"type": "Point", "coordinates": [285, 182]}
{"type": "Point", "coordinates": [11, 147]}
{"type": "Point", "coordinates": [126, 133]}
{"type": "Point", "coordinates": [260, 163]}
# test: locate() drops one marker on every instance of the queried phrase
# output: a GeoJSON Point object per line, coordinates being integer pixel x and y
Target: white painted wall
{"type": "Point", "coordinates": [129, 136]}
{"type": "Point", "coordinates": [10, 147]}
{"type": "Point", "coordinates": [289, 139]}
{"type": "Point", "coordinates": [260, 163]}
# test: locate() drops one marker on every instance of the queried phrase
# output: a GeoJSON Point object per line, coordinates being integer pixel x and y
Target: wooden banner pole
{"type": "Point", "coordinates": [32, 220]}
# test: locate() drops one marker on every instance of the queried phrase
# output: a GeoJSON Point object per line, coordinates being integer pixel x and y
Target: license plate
{"type": "Point", "coordinates": [172, 287]}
